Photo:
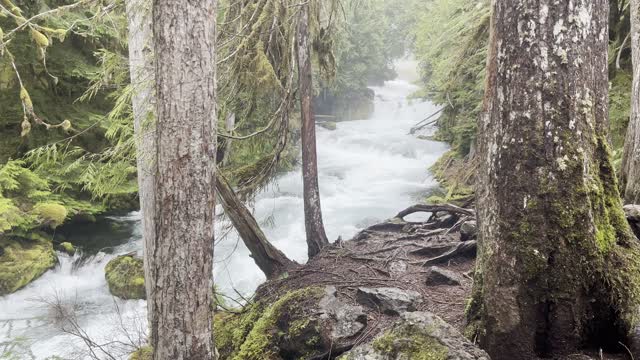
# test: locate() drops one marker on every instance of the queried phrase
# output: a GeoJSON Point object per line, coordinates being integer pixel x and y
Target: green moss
{"type": "Point", "coordinates": [22, 261]}
{"type": "Point", "coordinates": [260, 329]}
{"type": "Point", "coordinates": [231, 329]}
{"type": "Point", "coordinates": [456, 176]}
{"type": "Point", "coordinates": [125, 277]}
{"type": "Point", "coordinates": [411, 343]}
{"type": "Point", "coordinates": [144, 353]}
{"type": "Point", "coordinates": [260, 343]}
{"type": "Point", "coordinates": [50, 214]}
{"type": "Point", "coordinates": [68, 248]}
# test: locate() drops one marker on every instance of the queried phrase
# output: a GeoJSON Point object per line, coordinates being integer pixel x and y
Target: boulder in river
{"type": "Point", "coordinates": [24, 260]}
{"type": "Point", "coordinates": [418, 335]}
{"type": "Point", "coordinates": [67, 248]}
{"type": "Point", "coordinates": [392, 301]}
{"type": "Point", "coordinates": [125, 277]}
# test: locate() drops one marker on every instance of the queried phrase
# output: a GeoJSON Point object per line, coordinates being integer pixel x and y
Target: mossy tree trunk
{"type": "Point", "coordinates": [143, 101]}
{"type": "Point", "coordinates": [557, 265]}
{"type": "Point", "coordinates": [630, 174]}
{"type": "Point", "coordinates": [182, 260]}
{"type": "Point", "coordinates": [316, 236]}
{"type": "Point", "coordinates": [269, 259]}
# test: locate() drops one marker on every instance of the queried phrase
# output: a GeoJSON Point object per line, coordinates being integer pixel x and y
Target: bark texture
{"type": "Point", "coordinates": [182, 260]}
{"type": "Point", "coordinates": [143, 101]}
{"type": "Point", "coordinates": [316, 236]}
{"type": "Point", "coordinates": [269, 259]}
{"type": "Point", "coordinates": [630, 174]}
{"type": "Point", "coordinates": [557, 266]}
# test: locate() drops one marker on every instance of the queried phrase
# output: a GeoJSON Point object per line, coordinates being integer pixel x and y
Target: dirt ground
{"type": "Point", "coordinates": [398, 254]}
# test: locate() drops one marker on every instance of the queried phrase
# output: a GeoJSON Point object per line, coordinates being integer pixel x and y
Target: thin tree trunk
{"type": "Point", "coordinates": [268, 258]}
{"type": "Point", "coordinates": [143, 99]}
{"type": "Point", "coordinates": [557, 265]}
{"type": "Point", "coordinates": [316, 237]}
{"type": "Point", "coordinates": [185, 65]}
{"type": "Point", "coordinates": [630, 174]}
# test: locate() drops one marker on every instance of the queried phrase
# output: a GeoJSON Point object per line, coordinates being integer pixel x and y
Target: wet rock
{"type": "Point", "coordinates": [346, 320]}
{"type": "Point", "coordinates": [329, 125]}
{"type": "Point", "coordinates": [439, 276]}
{"type": "Point", "coordinates": [125, 277]}
{"type": "Point", "coordinates": [391, 301]}
{"type": "Point", "coordinates": [468, 230]}
{"type": "Point", "coordinates": [418, 335]}
{"type": "Point", "coordinates": [67, 248]}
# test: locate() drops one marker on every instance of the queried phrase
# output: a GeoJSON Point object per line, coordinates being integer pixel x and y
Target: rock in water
{"type": "Point", "coordinates": [125, 277]}
{"type": "Point", "coordinates": [67, 248]}
{"type": "Point", "coordinates": [418, 335]}
{"type": "Point", "coordinates": [391, 301]}
{"type": "Point", "coordinates": [439, 276]}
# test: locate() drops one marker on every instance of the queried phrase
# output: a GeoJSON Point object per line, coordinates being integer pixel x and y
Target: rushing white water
{"type": "Point", "coordinates": [369, 170]}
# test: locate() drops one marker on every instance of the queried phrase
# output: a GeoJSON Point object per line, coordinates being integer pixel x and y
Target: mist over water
{"type": "Point", "coordinates": [368, 171]}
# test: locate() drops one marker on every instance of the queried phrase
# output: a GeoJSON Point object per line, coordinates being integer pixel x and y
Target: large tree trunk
{"type": "Point", "coordinates": [143, 99]}
{"type": "Point", "coordinates": [182, 260]}
{"type": "Point", "coordinates": [558, 266]}
{"type": "Point", "coordinates": [316, 237]}
{"type": "Point", "coordinates": [268, 258]}
{"type": "Point", "coordinates": [630, 174]}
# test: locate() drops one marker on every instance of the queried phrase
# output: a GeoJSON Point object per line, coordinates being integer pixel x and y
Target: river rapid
{"type": "Point", "coordinates": [368, 171]}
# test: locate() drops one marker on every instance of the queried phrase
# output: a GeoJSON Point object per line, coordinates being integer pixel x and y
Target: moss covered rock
{"type": "Point", "coordinates": [23, 260]}
{"type": "Point", "coordinates": [125, 277]}
{"type": "Point", "coordinates": [67, 248]}
{"type": "Point", "coordinates": [418, 336]}
{"type": "Point", "coordinates": [291, 327]}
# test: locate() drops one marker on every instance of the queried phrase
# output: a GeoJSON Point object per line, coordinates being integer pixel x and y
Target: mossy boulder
{"type": "Point", "coordinates": [23, 260]}
{"type": "Point", "coordinates": [418, 336]}
{"type": "Point", "coordinates": [125, 277]}
{"type": "Point", "coordinates": [301, 324]}
{"type": "Point", "coordinates": [67, 248]}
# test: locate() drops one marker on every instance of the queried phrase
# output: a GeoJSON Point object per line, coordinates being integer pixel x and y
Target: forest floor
{"type": "Point", "coordinates": [394, 254]}
{"type": "Point", "coordinates": [401, 255]}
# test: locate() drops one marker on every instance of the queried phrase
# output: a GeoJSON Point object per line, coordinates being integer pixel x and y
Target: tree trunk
{"type": "Point", "coordinates": [143, 99]}
{"type": "Point", "coordinates": [268, 258]}
{"type": "Point", "coordinates": [557, 266]}
{"type": "Point", "coordinates": [630, 174]}
{"type": "Point", "coordinates": [316, 237]}
{"type": "Point", "coordinates": [182, 261]}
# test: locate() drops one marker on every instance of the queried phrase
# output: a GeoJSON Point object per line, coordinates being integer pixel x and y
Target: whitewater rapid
{"type": "Point", "coordinates": [368, 171]}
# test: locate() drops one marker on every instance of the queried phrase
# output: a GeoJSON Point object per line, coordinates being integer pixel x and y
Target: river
{"type": "Point", "coordinates": [368, 171]}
